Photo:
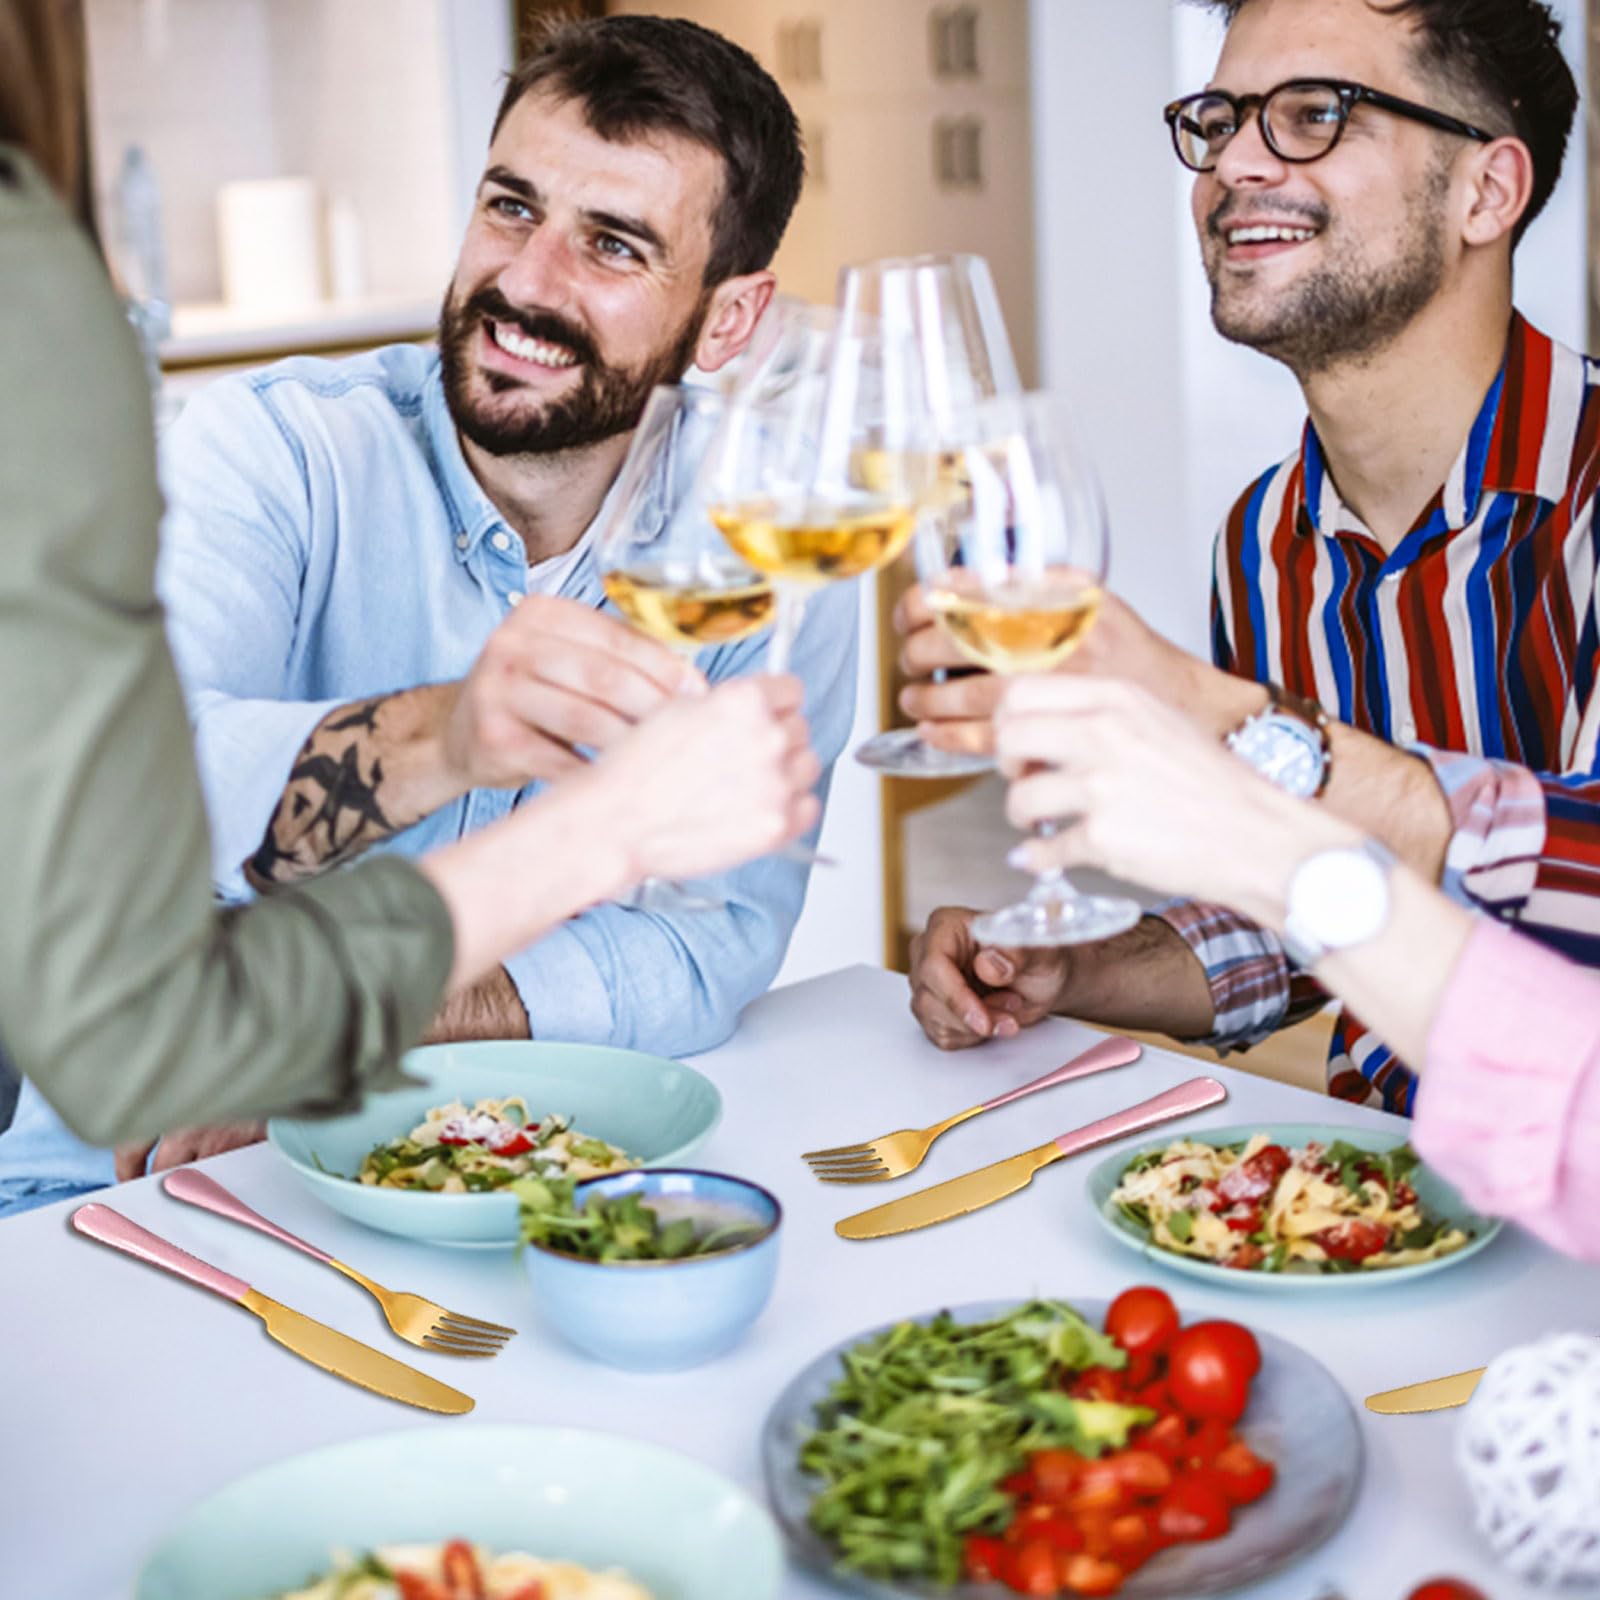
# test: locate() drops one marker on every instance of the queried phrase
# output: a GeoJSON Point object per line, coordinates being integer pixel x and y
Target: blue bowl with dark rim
{"type": "Point", "coordinates": [663, 1316]}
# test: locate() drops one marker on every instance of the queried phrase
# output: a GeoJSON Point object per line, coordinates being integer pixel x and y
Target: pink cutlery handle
{"type": "Point", "coordinates": [1112, 1053]}
{"type": "Point", "coordinates": [195, 1187]}
{"type": "Point", "coordinates": [1195, 1095]}
{"type": "Point", "coordinates": [112, 1228]}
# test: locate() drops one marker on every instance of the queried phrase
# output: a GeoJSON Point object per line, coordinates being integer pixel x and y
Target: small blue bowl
{"type": "Point", "coordinates": [663, 1316]}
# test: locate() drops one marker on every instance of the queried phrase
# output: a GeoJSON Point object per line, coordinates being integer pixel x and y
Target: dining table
{"type": "Point", "coordinates": [129, 1396]}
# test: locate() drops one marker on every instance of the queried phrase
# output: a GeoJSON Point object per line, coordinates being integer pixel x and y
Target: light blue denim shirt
{"type": "Point", "coordinates": [326, 541]}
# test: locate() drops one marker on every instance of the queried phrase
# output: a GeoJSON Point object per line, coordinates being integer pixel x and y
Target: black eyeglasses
{"type": "Point", "coordinates": [1301, 120]}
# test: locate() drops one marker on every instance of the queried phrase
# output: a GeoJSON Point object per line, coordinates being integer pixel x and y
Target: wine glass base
{"type": "Point", "coordinates": [670, 897]}
{"type": "Point", "coordinates": [901, 754]}
{"type": "Point", "coordinates": [1046, 921]}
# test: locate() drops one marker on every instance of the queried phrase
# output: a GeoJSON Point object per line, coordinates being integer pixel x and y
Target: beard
{"type": "Point", "coordinates": [1345, 311]}
{"type": "Point", "coordinates": [608, 399]}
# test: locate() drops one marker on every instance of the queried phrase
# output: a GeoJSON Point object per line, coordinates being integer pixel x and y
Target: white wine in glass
{"type": "Point", "coordinates": [1015, 579]}
{"type": "Point", "coordinates": [665, 567]}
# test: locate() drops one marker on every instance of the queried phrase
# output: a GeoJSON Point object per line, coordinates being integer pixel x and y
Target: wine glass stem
{"type": "Point", "coordinates": [1053, 883]}
{"type": "Point", "coordinates": [791, 608]}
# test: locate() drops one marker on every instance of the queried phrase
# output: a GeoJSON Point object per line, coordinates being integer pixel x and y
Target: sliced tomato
{"type": "Point", "coordinates": [1019, 1484]}
{"type": "Point", "coordinates": [1054, 1474]}
{"type": "Point", "coordinates": [1207, 1440]}
{"type": "Point", "coordinates": [413, 1586]}
{"type": "Point", "coordinates": [1166, 1437]}
{"type": "Point", "coordinates": [1034, 1570]}
{"type": "Point", "coordinates": [1142, 1320]}
{"type": "Point", "coordinates": [1133, 1539]}
{"type": "Point", "coordinates": [1243, 1219]}
{"type": "Point", "coordinates": [1354, 1239]}
{"type": "Point", "coordinates": [1142, 1472]}
{"type": "Point", "coordinates": [1058, 1530]}
{"type": "Point", "coordinates": [1256, 1178]}
{"type": "Point", "coordinates": [1246, 1257]}
{"type": "Point", "coordinates": [463, 1580]}
{"type": "Point", "coordinates": [984, 1559]}
{"type": "Point", "coordinates": [1091, 1575]}
{"type": "Point", "coordinates": [1100, 1488]}
{"type": "Point", "coordinates": [1194, 1508]}
{"type": "Point", "coordinates": [1099, 1383]}
{"type": "Point", "coordinates": [1242, 1475]}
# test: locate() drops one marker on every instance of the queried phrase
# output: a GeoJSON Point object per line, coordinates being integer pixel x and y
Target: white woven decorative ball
{"type": "Point", "coordinates": [1529, 1446]}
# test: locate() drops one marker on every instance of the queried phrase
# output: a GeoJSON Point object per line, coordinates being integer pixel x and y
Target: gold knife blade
{"type": "Point", "coordinates": [353, 1361]}
{"type": "Point", "coordinates": [953, 1198]}
{"type": "Point", "coordinates": [1437, 1394]}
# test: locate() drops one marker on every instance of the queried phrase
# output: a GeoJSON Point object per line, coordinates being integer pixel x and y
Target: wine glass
{"type": "Point", "coordinates": [1014, 578]}
{"type": "Point", "coordinates": [664, 565]}
{"type": "Point", "coordinates": [946, 306]}
{"type": "Point", "coordinates": [820, 466]}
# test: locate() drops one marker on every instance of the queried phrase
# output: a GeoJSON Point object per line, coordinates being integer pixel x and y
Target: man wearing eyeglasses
{"type": "Point", "coordinates": [1404, 612]}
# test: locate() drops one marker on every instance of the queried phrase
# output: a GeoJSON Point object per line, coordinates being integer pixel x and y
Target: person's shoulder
{"type": "Point", "coordinates": [306, 396]}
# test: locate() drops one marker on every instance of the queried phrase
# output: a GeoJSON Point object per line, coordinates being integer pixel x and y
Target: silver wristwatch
{"type": "Point", "coordinates": [1287, 743]}
{"type": "Point", "coordinates": [1337, 899]}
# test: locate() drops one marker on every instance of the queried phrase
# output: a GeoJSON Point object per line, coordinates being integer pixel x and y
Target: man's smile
{"type": "Point", "coordinates": [524, 351]}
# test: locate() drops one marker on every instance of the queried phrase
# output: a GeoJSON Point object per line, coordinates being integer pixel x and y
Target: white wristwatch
{"type": "Point", "coordinates": [1337, 899]}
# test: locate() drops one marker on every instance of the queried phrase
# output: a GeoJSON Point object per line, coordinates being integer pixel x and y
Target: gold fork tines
{"type": "Point", "coordinates": [421, 1322]}
{"type": "Point", "coordinates": [892, 1155]}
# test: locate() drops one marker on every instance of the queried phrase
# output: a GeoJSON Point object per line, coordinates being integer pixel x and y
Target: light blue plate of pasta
{"type": "Point", "coordinates": [657, 1111]}
{"type": "Point", "coordinates": [1135, 1225]}
{"type": "Point", "coordinates": [675, 1528]}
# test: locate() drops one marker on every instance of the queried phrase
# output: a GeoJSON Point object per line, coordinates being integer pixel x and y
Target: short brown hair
{"type": "Point", "coordinates": [635, 75]}
{"type": "Point", "coordinates": [1503, 56]}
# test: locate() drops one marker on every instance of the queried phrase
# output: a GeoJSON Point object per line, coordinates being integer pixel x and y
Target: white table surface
{"type": "Point", "coordinates": [129, 1395]}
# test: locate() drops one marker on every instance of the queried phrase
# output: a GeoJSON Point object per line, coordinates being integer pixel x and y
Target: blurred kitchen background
{"type": "Point", "coordinates": [292, 175]}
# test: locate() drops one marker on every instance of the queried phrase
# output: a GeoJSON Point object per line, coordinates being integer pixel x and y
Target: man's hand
{"type": "Point", "coordinates": [183, 1145]}
{"type": "Point", "coordinates": [553, 675]}
{"type": "Point", "coordinates": [964, 993]}
{"type": "Point", "coordinates": [958, 714]}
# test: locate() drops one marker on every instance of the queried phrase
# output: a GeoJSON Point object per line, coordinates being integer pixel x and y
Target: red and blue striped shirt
{"type": "Point", "coordinates": [1475, 644]}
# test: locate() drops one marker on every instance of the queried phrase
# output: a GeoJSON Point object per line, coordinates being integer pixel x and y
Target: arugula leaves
{"type": "Point", "coordinates": [623, 1229]}
{"type": "Point", "coordinates": [913, 1440]}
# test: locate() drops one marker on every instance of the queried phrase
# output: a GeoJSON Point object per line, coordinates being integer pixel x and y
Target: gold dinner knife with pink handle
{"type": "Point", "coordinates": [320, 1345]}
{"type": "Point", "coordinates": [981, 1188]}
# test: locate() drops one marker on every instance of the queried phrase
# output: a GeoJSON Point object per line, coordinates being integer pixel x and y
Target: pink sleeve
{"type": "Point", "coordinates": [1509, 1104]}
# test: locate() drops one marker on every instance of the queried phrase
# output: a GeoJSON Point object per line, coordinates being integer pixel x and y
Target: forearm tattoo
{"type": "Point", "coordinates": [332, 806]}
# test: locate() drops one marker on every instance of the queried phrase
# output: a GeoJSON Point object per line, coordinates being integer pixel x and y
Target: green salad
{"type": "Point", "coordinates": [927, 1419]}
{"type": "Point", "coordinates": [624, 1228]}
{"type": "Point", "coordinates": [457, 1149]}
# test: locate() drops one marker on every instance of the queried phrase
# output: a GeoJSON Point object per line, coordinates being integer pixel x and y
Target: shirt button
{"type": "Point", "coordinates": [462, 541]}
{"type": "Point", "coordinates": [513, 596]}
{"type": "Point", "coordinates": [501, 541]}
{"type": "Point", "coordinates": [1391, 577]}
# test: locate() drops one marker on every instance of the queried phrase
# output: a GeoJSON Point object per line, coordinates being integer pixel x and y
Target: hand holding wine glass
{"type": "Point", "coordinates": [1015, 580]}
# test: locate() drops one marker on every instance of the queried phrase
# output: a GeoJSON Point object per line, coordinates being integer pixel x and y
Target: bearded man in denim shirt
{"type": "Point", "coordinates": [382, 594]}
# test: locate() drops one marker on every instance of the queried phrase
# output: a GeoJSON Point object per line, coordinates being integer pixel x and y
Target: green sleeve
{"type": "Point", "coordinates": [129, 999]}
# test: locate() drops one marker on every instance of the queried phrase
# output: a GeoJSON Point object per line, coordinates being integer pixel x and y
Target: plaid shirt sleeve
{"type": "Point", "coordinates": [1255, 988]}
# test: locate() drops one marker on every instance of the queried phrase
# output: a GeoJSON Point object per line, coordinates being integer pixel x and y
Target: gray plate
{"type": "Point", "coordinates": [1299, 1419]}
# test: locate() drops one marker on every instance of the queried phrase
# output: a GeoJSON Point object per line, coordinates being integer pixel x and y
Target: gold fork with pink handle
{"type": "Point", "coordinates": [417, 1321]}
{"type": "Point", "coordinates": [893, 1155]}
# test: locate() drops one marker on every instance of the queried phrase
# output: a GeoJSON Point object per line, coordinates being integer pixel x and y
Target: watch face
{"type": "Point", "coordinates": [1339, 898]}
{"type": "Point", "coordinates": [1284, 750]}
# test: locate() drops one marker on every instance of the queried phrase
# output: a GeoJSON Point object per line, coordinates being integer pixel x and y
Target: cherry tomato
{"type": "Point", "coordinates": [1193, 1508]}
{"type": "Point", "coordinates": [1019, 1484]}
{"type": "Point", "coordinates": [1086, 1574]}
{"type": "Point", "coordinates": [1133, 1538]}
{"type": "Point", "coordinates": [1446, 1589]}
{"type": "Point", "coordinates": [985, 1560]}
{"type": "Point", "coordinates": [1242, 1474]}
{"type": "Point", "coordinates": [1100, 1488]}
{"type": "Point", "coordinates": [1354, 1239]}
{"type": "Point", "coordinates": [1055, 1474]}
{"type": "Point", "coordinates": [1255, 1179]}
{"type": "Point", "coordinates": [1142, 1320]}
{"type": "Point", "coordinates": [1058, 1530]}
{"type": "Point", "coordinates": [1207, 1440]}
{"type": "Point", "coordinates": [1209, 1372]}
{"type": "Point", "coordinates": [1240, 1338]}
{"type": "Point", "coordinates": [1033, 1570]}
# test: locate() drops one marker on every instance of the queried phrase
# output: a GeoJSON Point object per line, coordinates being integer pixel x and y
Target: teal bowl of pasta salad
{"type": "Point", "coordinates": [436, 1162]}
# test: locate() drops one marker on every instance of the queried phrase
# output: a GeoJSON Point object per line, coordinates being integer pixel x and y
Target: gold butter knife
{"type": "Point", "coordinates": [324, 1347]}
{"type": "Point", "coordinates": [976, 1189]}
{"type": "Point", "coordinates": [1437, 1394]}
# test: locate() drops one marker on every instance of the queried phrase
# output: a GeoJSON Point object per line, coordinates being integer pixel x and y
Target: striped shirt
{"type": "Point", "coordinates": [1476, 645]}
